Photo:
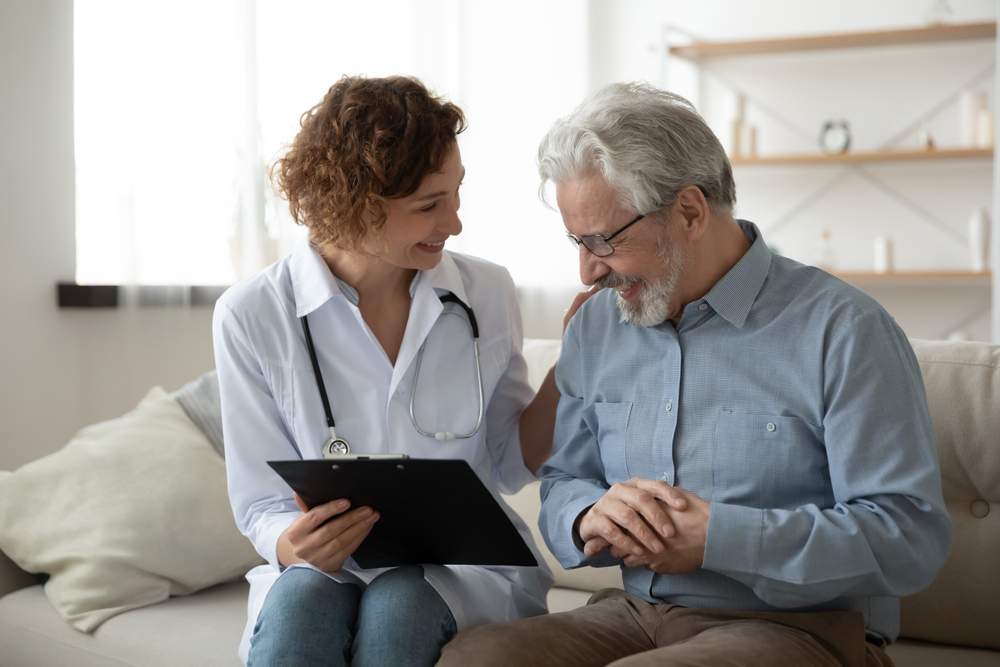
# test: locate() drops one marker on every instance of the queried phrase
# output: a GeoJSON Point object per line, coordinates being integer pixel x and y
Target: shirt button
{"type": "Point", "coordinates": [398, 393]}
{"type": "Point", "coordinates": [771, 426]}
{"type": "Point", "coordinates": [670, 406]}
{"type": "Point", "coordinates": [703, 306]}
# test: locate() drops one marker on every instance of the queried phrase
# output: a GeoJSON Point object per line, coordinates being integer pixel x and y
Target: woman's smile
{"type": "Point", "coordinates": [431, 247]}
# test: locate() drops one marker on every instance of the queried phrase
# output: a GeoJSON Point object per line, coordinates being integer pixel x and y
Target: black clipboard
{"type": "Point", "coordinates": [432, 510]}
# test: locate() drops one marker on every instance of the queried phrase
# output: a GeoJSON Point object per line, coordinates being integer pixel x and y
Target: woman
{"type": "Point", "coordinates": [374, 174]}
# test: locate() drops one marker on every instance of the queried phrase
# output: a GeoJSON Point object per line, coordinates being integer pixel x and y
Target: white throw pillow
{"type": "Point", "coordinates": [128, 513]}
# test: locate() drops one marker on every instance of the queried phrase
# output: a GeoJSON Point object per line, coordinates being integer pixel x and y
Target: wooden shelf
{"type": "Point", "coordinates": [862, 156]}
{"type": "Point", "coordinates": [918, 278]}
{"type": "Point", "coordinates": [931, 34]}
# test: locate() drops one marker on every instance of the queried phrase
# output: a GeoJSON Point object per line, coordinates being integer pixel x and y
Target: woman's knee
{"type": "Point", "coordinates": [402, 620]}
{"type": "Point", "coordinates": [302, 591]}
{"type": "Point", "coordinates": [306, 618]}
{"type": "Point", "coordinates": [402, 590]}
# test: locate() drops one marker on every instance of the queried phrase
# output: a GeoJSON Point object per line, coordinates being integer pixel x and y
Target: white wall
{"type": "Point", "coordinates": [63, 369]}
{"type": "Point", "coordinates": [880, 91]}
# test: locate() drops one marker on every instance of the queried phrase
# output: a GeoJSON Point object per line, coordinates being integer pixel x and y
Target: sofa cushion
{"type": "Point", "coordinates": [962, 606]}
{"type": "Point", "coordinates": [128, 513]}
{"type": "Point", "coordinates": [201, 630]}
{"type": "Point", "coordinates": [916, 653]}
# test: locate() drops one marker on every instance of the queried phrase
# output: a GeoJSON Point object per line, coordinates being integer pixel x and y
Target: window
{"type": "Point", "coordinates": [181, 106]}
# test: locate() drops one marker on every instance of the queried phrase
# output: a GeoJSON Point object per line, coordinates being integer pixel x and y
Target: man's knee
{"type": "Point", "coordinates": [496, 644]}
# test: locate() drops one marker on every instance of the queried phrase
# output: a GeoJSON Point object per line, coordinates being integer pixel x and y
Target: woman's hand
{"type": "Point", "coordinates": [321, 540]}
{"type": "Point", "coordinates": [577, 302]}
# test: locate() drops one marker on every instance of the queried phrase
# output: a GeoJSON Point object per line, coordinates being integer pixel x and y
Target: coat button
{"type": "Point", "coordinates": [979, 508]}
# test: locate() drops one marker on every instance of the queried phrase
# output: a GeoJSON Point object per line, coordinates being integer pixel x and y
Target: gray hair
{"type": "Point", "coordinates": [647, 143]}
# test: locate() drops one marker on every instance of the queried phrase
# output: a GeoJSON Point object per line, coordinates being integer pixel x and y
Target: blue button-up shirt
{"type": "Point", "coordinates": [789, 400]}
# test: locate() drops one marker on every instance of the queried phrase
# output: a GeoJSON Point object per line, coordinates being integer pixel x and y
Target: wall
{"type": "Point", "coordinates": [880, 91]}
{"type": "Point", "coordinates": [62, 369]}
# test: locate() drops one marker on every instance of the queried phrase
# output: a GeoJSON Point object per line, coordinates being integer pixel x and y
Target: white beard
{"type": "Point", "coordinates": [656, 299]}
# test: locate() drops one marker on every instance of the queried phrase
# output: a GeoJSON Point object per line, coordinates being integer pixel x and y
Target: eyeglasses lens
{"type": "Point", "coordinates": [597, 245]}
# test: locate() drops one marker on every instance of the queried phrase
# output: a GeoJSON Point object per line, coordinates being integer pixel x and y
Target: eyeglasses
{"type": "Point", "coordinates": [598, 244]}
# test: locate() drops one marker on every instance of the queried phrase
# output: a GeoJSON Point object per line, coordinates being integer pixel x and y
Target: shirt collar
{"type": "Point", "coordinates": [444, 277]}
{"type": "Point", "coordinates": [312, 281]}
{"type": "Point", "coordinates": [734, 295]}
{"type": "Point", "coordinates": [314, 284]}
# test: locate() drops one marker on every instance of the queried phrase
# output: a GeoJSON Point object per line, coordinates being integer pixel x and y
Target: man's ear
{"type": "Point", "coordinates": [692, 212]}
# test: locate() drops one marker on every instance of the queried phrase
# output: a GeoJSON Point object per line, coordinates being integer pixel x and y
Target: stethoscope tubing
{"type": "Point", "coordinates": [338, 446]}
{"type": "Point", "coordinates": [445, 436]}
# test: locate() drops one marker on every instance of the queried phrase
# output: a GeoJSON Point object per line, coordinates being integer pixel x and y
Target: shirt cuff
{"type": "Point", "coordinates": [569, 552]}
{"type": "Point", "coordinates": [265, 540]}
{"type": "Point", "coordinates": [734, 538]}
{"type": "Point", "coordinates": [577, 540]}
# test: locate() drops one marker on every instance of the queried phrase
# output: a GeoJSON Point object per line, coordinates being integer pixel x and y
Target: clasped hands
{"type": "Point", "coordinates": [649, 524]}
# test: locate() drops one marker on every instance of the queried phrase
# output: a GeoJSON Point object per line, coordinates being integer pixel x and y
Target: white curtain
{"type": "Point", "coordinates": [180, 106]}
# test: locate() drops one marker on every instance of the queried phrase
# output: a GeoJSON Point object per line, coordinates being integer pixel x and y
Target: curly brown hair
{"type": "Point", "coordinates": [367, 141]}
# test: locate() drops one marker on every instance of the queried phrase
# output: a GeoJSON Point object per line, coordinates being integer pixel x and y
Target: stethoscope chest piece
{"type": "Point", "coordinates": [335, 447]}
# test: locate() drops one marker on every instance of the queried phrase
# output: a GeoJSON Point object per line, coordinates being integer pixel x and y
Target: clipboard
{"type": "Point", "coordinates": [434, 511]}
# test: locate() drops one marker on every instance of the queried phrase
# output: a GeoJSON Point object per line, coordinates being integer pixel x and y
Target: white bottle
{"type": "Point", "coordinates": [979, 239]}
{"type": "Point", "coordinates": [825, 258]}
{"type": "Point", "coordinates": [739, 129]}
{"type": "Point", "coordinates": [970, 103]}
{"type": "Point", "coordinates": [883, 254]}
{"type": "Point", "coordinates": [984, 129]}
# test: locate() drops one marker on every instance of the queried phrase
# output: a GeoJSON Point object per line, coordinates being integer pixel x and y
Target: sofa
{"type": "Point", "coordinates": [954, 622]}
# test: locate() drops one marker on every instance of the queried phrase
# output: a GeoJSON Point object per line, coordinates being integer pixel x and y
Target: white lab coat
{"type": "Point", "coordinates": [272, 410]}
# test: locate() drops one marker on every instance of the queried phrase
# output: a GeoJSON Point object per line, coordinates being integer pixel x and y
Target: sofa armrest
{"type": "Point", "coordinates": [12, 578]}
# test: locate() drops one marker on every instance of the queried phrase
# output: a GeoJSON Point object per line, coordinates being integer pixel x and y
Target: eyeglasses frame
{"type": "Point", "coordinates": [579, 241]}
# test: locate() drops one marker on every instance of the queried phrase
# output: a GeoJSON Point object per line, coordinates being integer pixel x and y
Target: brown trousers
{"type": "Point", "coordinates": [616, 628]}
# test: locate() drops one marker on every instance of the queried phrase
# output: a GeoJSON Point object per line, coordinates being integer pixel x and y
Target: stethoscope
{"type": "Point", "coordinates": [338, 446]}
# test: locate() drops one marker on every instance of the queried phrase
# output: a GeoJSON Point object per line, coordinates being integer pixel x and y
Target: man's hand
{"type": "Point", "coordinates": [685, 551]}
{"type": "Point", "coordinates": [624, 516]}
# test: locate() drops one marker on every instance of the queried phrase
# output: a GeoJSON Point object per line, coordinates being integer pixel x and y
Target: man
{"type": "Point", "coordinates": [747, 437]}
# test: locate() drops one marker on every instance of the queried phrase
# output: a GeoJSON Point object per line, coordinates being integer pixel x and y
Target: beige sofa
{"type": "Point", "coordinates": [955, 622]}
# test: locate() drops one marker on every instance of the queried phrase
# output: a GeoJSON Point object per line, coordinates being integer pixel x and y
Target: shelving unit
{"type": "Point", "coordinates": [982, 279]}
{"type": "Point", "coordinates": [853, 40]}
{"type": "Point", "coordinates": [701, 53]}
{"type": "Point", "coordinates": [864, 156]}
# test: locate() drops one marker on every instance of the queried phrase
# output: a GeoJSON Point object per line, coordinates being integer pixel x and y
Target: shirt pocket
{"type": "Point", "coordinates": [768, 461]}
{"type": "Point", "coordinates": [609, 423]}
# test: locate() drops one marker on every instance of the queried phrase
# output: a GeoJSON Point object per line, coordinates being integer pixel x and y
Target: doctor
{"type": "Point", "coordinates": [374, 174]}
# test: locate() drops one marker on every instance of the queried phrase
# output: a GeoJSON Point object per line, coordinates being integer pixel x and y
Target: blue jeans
{"type": "Point", "coordinates": [309, 619]}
